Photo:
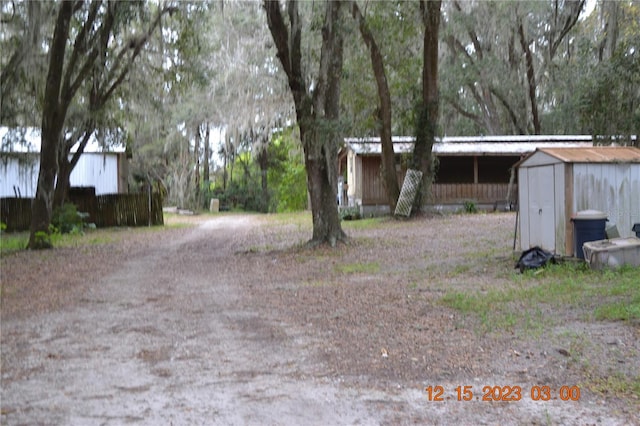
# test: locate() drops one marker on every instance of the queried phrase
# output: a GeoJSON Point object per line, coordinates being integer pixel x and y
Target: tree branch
{"type": "Point", "coordinates": [139, 44]}
{"type": "Point", "coordinates": [280, 34]}
{"type": "Point", "coordinates": [531, 78]}
{"type": "Point", "coordinates": [570, 21]}
{"type": "Point", "coordinates": [472, 34]}
{"type": "Point", "coordinates": [79, 48]}
{"type": "Point", "coordinates": [510, 111]}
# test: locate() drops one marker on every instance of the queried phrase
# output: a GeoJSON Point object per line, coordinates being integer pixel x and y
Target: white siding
{"type": "Point", "coordinates": [541, 207]}
{"type": "Point", "coordinates": [97, 170]}
{"type": "Point", "coordinates": [18, 177]}
{"type": "Point", "coordinates": [611, 188]}
{"type": "Point", "coordinates": [352, 181]}
{"type": "Point", "coordinates": [538, 208]}
{"type": "Point", "coordinates": [523, 207]}
{"type": "Point", "coordinates": [539, 159]}
{"type": "Point", "coordinates": [560, 217]}
{"type": "Point", "coordinates": [357, 179]}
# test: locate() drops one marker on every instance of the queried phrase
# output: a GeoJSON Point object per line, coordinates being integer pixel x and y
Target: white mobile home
{"type": "Point", "coordinates": [556, 183]}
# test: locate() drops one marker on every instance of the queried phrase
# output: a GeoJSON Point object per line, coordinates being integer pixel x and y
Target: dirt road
{"type": "Point", "coordinates": [181, 333]}
{"type": "Point", "coordinates": [167, 340]}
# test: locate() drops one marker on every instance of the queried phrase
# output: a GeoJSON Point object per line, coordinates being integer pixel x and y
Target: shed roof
{"type": "Point", "coordinates": [595, 154]}
{"type": "Point", "coordinates": [472, 145]}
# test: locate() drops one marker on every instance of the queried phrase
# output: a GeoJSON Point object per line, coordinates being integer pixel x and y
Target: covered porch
{"type": "Point", "coordinates": [467, 169]}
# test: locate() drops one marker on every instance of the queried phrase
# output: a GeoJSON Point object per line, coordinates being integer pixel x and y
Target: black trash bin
{"type": "Point", "coordinates": [588, 225]}
{"type": "Point", "coordinates": [636, 229]}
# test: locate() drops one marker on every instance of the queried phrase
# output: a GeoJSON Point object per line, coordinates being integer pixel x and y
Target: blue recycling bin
{"type": "Point", "coordinates": [588, 225]}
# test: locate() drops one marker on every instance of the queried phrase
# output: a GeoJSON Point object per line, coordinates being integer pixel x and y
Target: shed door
{"type": "Point", "coordinates": [541, 208]}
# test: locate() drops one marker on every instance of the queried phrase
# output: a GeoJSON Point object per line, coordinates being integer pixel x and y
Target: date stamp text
{"type": "Point", "coordinates": [503, 393]}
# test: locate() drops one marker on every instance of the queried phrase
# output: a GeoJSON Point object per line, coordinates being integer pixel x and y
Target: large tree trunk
{"type": "Point", "coordinates": [207, 154]}
{"type": "Point", "coordinates": [319, 127]}
{"type": "Point", "coordinates": [263, 161]}
{"type": "Point", "coordinates": [196, 159]}
{"type": "Point", "coordinates": [53, 115]}
{"type": "Point", "coordinates": [63, 184]}
{"type": "Point", "coordinates": [389, 176]}
{"type": "Point", "coordinates": [531, 78]}
{"type": "Point", "coordinates": [324, 206]}
{"type": "Point", "coordinates": [66, 165]}
{"type": "Point", "coordinates": [429, 109]}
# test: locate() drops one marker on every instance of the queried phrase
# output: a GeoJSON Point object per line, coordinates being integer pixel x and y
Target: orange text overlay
{"type": "Point", "coordinates": [503, 393]}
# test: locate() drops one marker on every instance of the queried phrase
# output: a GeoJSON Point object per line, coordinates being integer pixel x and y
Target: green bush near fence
{"type": "Point", "coordinates": [67, 219]}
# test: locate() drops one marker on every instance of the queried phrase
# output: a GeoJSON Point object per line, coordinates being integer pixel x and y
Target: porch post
{"type": "Point", "coordinates": [475, 177]}
{"type": "Point", "coordinates": [475, 169]}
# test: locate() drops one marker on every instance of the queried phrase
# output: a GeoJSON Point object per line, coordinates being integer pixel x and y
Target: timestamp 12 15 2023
{"type": "Point", "coordinates": [505, 393]}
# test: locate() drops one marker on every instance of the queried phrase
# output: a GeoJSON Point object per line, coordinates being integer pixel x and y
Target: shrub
{"type": "Point", "coordinates": [67, 219]}
{"type": "Point", "coordinates": [470, 207]}
{"type": "Point", "coordinates": [350, 213]}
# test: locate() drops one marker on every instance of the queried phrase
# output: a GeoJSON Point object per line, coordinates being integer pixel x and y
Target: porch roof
{"type": "Point", "coordinates": [473, 145]}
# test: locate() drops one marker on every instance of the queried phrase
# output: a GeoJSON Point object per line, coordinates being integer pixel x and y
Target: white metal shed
{"type": "Point", "coordinates": [555, 183]}
{"type": "Point", "coordinates": [107, 171]}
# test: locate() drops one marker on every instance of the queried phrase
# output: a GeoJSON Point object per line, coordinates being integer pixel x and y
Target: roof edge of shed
{"type": "Point", "coordinates": [596, 154]}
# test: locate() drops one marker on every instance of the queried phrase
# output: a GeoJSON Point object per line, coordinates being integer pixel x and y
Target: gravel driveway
{"type": "Point", "coordinates": [232, 322]}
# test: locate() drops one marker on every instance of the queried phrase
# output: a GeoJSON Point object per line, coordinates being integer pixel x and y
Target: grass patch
{"type": "Point", "coordinates": [300, 219]}
{"type": "Point", "coordinates": [15, 242]}
{"type": "Point", "coordinates": [622, 311]}
{"type": "Point", "coordinates": [10, 243]}
{"type": "Point", "coordinates": [461, 269]}
{"type": "Point", "coordinates": [609, 295]}
{"type": "Point", "coordinates": [358, 268]}
{"type": "Point", "coordinates": [173, 220]}
{"type": "Point", "coordinates": [369, 223]}
{"type": "Point", "coordinates": [616, 385]}
{"type": "Point", "coordinates": [317, 283]}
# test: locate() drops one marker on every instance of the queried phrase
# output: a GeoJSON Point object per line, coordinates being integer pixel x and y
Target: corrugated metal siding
{"type": "Point", "coordinates": [523, 202]}
{"type": "Point", "coordinates": [18, 175]}
{"type": "Point", "coordinates": [611, 188]}
{"type": "Point", "coordinates": [560, 216]}
{"type": "Point", "coordinates": [97, 170]}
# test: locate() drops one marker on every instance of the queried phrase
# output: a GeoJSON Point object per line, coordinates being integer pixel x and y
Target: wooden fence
{"type": "Point", "coordinates": [15, 213]}
{"type": "Point", "coordinates": [104, 210]}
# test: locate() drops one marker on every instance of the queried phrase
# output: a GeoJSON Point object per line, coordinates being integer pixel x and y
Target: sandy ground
{"type": "Point", "coordinates": [233, 322]}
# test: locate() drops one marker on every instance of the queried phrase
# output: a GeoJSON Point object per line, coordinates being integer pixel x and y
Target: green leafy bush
{"type": "Point", "coordinates": [350, 213]}
{"type": "Point", "coordinates": [67, 219]}
{"type": "Point", "coordinates": [470, 207]}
